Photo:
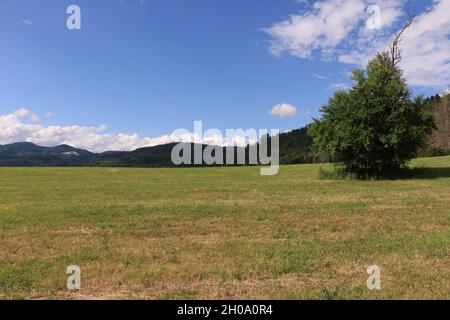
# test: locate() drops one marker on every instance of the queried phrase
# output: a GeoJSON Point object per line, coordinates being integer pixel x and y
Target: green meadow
{"type": "Point", "coordinates": [223, 233]}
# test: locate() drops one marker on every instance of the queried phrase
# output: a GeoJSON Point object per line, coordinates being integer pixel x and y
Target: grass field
{"type": "Point", "coordinates": [223, 233]}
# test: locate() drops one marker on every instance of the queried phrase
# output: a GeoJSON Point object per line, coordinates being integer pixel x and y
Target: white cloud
{"type": "Point", "coordinates": [426, 48]}
{"type": "Point", "coordinates": [284, 110]}
{"type": "Point", "coordinates": [22, 112]}
{"type": "Point", "coordinates": [27, 22]}
{"type": "Point", "coordinates": [322, 29]}
{"type": "Point", "coordinates": [336, 29]}
{"type": "Point", "coordinates": [16, 127]}
{"type": "Point", "coordinates": [319, 76]}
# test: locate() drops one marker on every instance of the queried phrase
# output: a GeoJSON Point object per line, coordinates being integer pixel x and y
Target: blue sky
{"type": "Point", "coordinates": [149, 67]}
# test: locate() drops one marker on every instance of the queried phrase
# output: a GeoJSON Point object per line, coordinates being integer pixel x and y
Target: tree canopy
{"type": "Point", "coordinates": [374, 128]}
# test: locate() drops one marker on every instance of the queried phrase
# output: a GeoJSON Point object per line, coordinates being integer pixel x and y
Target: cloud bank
{"type": "Point", "coordinates": [22, 126]}
{"type": "Point", "coordinates": [337, 30]}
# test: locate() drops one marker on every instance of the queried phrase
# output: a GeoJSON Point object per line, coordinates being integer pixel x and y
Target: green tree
{"type": "Point", "coordinates": [374, 128]}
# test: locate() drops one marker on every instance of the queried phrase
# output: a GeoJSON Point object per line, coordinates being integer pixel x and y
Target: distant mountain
{"type": "Point", "coordinates": [295, 147]}
{"type": "Point", "coordinates": [158, 156]}
{"type": "Point", "coordinates": [24, 154]}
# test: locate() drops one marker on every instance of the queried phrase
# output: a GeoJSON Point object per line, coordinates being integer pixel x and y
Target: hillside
{"type": "Point", "coordinates": [158, 156]}
{"type": "Point", "coordinates": [295, 147]}
{"type": "Point", "coordinates": [28, 154]}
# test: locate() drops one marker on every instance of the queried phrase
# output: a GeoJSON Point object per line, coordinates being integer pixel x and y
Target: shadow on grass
{"type": "Point", "coordinates": [423, 173]}
{"type": "Point", "coordinates": [403, 174]}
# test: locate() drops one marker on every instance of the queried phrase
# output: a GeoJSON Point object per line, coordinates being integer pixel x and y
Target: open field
{"type": "Point", "coordinates": [223, 233]}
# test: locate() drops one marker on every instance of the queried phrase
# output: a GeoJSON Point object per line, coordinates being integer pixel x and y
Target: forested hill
{"type": "Point", "coordinates": [24, 154]}
{"type": "Point", "coordinates": [295, 147]}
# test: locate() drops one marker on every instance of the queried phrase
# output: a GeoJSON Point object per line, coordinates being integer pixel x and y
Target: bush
{"type": "Point", "coordinates": [434, 152]}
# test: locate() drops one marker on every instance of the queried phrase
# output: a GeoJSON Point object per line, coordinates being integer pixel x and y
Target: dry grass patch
{"type": "Point", "coordinates": [221, 233]}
